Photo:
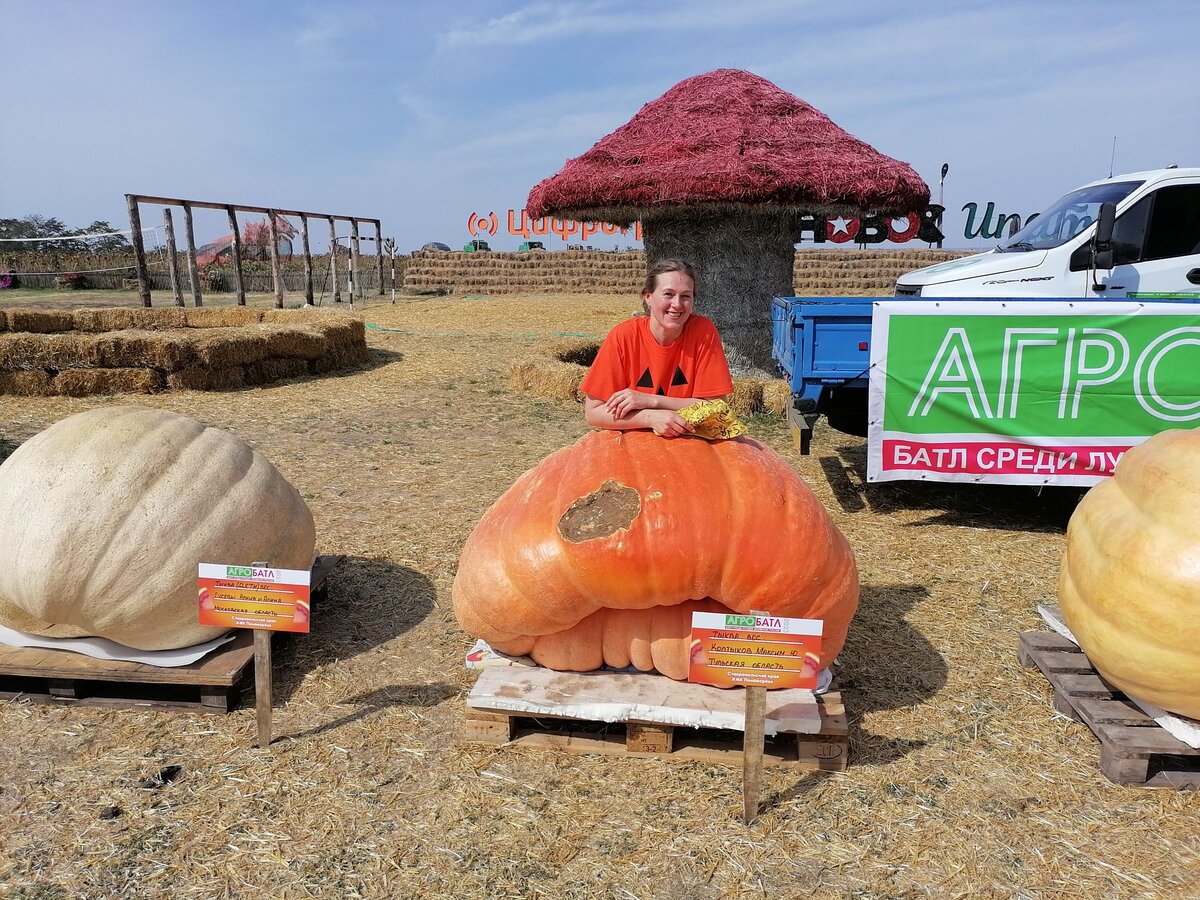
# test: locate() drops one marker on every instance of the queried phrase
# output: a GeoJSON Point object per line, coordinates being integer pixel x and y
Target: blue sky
{"type": "Point", "coordinates": [423, 114]}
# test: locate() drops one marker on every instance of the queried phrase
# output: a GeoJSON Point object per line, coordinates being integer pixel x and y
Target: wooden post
{"type": "Point", "coordinates": [379, 254]}
{"type": "Point", "coordinates": [752, 748]}
{"type": "Point", "coordinates": [193, 272]}
{"type": "Point", "coordinates": [337, 288]}
{"type": "Point", "coordinates": [276, 271]}
{"type": "Point", "coordinates": [355, 284]}
{"type": "Point", "coordinates": [308, 273]}
{"type": "Point", "coordinates": [262, 684]}
{"type": "Point", "coordinates": [172, 256]}
{"type": "Point", "coordinates": [262, 678]}
{"type": "Point", "coordinates": [752, 751]}
{"type": "Point", "coordinates": [139, 248]}
{"type": "Point", "coordinates": [236, 248]}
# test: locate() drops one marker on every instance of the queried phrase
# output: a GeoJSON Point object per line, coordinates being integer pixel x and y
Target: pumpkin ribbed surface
{"type": "Point", "coordinates": [600, 553]}
{"type": "Point", "coordinates": [1130, 581]}
{"type": "Point", "coordinates": [106, 514]}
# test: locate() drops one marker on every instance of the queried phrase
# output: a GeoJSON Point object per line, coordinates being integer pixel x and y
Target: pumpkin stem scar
{"type": "Point", "coordinates": [611, 507]}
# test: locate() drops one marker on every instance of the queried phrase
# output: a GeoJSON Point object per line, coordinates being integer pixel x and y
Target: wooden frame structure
{"type": "Point", "coordinates": [133, 202]}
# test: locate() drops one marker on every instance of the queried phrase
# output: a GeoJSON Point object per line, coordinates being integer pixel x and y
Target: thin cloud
{"type": "Point", "coordinates": [544, 22]}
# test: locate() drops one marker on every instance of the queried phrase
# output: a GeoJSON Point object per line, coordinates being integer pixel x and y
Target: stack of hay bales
{"type": "Point", "coordinates": [118, 350]}
{"type": "Point", "coordinates": [859, 273]}
{"type": "Point", "coordinates": [817, 273]}
{"type": "Point", "coordinates": [534, 271]}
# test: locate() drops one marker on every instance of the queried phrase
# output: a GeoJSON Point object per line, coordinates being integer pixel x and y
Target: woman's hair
{"type": "Point", "coordinates": [663, 266]}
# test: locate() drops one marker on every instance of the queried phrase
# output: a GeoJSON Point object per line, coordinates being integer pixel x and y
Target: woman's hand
{"type": "Point", "coordinates": [668, 423]}
{"type": "Point", "coordinates": [623, 402]}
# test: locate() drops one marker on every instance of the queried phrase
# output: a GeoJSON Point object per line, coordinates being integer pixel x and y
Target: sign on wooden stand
{"type": "Point", "coordinates": [262, 598]}
{"type": "Point", "coordinates": [754, 651]}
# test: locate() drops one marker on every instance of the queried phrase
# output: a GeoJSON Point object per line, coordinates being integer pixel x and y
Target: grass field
{"type": "Point", "coordinates": [963, 782]}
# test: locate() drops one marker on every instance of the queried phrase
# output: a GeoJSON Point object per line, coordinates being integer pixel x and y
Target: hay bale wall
{"type": "Point", "coordinates": [820, 273]}
{"type": "Point", "coordinates": [108, 271]}
{"type": "Point", "coordinates": [120, 350]}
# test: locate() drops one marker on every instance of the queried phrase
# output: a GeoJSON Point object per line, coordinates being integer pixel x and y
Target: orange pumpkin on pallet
{"type": "Point", "coordinates": [600, 554]}
{"type": "Point", "coordinates": [1130, 582]}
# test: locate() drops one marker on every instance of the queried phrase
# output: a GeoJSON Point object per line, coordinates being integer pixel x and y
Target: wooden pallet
{"type": "Point", "coordinates": [1134, 749]}
{"type": "Point", "coordinates": [644, 696]}
{"type": "Point", "coordinates": [213, 684]}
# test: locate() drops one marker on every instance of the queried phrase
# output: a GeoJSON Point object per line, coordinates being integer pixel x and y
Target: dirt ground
{"type": "Point", "coordinates": [962, 779]}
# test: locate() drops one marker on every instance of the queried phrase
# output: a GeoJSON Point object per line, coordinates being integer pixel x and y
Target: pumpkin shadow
{"type": "Point", "coordinates": [376, 358]}
{"type": "Point", "coordinates": [886, 664]}
{"type": "Point", "coordinates": [371, 702]}
{"type": "Point", "coordinates": [7, 447]}
{"type": "Point", "coordinates": [990, 506]}
{"type": "Point", "coordinates": [367, 602]}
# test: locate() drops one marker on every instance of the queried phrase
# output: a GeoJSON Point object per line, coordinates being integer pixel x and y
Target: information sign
{"type": "Point", "coordinates": [254, 597]}
{"type": "Point", "coordinates": [730, 650]}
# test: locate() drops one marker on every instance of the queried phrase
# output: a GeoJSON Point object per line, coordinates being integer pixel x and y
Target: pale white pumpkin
{"type": "Point", "coordinates": [105, 515]}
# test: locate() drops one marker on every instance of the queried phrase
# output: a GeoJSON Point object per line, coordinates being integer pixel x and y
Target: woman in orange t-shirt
{"type": "Point", "coordinates": [651, 366]}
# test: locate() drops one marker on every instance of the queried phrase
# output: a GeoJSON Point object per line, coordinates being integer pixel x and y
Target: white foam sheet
{"type": "Point", "coordinates": [102, 648]}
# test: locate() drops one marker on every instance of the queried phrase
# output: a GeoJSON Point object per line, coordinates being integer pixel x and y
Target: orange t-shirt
{"type": "Point", "coordinates": [693, 366]}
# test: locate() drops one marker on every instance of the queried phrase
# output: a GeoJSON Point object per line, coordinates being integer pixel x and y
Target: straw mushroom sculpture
{"type": "Point", "coordinates": [720, 169]}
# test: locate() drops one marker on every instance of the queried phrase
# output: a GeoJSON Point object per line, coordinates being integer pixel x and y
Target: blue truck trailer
{"type": "Point", "coordinates": [822, 346]}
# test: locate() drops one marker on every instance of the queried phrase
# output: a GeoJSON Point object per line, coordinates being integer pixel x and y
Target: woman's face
{"type": "Point", "coordinates": [670, 303]}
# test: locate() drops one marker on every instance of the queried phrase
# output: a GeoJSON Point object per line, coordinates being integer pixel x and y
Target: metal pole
{"type": "Point", "coordinates": [941, 186]}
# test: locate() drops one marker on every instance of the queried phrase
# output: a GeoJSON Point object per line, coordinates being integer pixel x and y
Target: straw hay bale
{"type": "Point", "coordinates": [222, 316]}
{"type": "Point", "coordinates": [32, 383]}
{"type": "Point", "coordinates": [38, 321]}
{"type": "Point", "coordinates": [776, 397]}
{"type": "Point", "coordinates": [303, 316]}
{"type": "Point", "coordinates": [275, 369]}
{"type": "Point", "coordinates": [746, 397]}
{"type": "Point", "coordinates": [104, 319]}
{"type": "Point", "coordinates": [159, 319]}
{"type": "Point", "coordinates": [225, 378]}
{"type": "Point", "coordinates": [343, 332]}
{"type": "Point", "coordinates": [294, 341]}
{"type": "Point", "coordinates": [547, 377]}
{"type": "Point", "coordinates": [193, 378]}
{"type": "Point", "coordinates": [137, 348]}
{"type": "Point", "coordinates": [224, 347]}
{"type": "Point", "coordinates": [207, 378]}
{"type": "Point", "coordinates": [339, 358]}
{"type": "Point", "coordinates": [84, 382]}
{"type": "Point", "coordinates": [23, 350]}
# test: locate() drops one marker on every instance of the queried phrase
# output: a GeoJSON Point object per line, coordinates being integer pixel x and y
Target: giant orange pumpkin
{"type": "Point", "coordinates": [1130, 582]}
{"type": "Point", "coordinates": [600, 554]}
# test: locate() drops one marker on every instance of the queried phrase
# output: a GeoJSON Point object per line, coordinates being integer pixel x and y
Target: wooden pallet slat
{"type": "Point", "coordinates": [551, 719]}
{"type": "Point", "coordinates": [1134, 749]}
{"type": "Point", "coordinates": [212, 684]}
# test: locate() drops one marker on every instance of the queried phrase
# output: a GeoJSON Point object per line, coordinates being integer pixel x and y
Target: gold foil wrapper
{"type": "Point", "coordinates": [713, 420]}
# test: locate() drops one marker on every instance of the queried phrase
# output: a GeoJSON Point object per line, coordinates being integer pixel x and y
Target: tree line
{"type": "Point", "coordinates": [92, 239]}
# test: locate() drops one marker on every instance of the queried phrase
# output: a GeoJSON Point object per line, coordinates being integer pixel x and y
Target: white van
{"type": "Point", "coordinates": [1153, 251]}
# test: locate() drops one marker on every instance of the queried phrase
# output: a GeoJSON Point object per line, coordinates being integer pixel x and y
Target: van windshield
{"type": "Point", "coordinates": [1067, 217]}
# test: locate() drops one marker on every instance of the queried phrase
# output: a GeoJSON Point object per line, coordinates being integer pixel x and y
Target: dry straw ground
{"type": "Point", "coordinates": [963, 782]}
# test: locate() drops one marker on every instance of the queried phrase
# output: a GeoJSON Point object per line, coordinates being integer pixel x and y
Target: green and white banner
{"type": "Point", "coordinates": [1025, 391]}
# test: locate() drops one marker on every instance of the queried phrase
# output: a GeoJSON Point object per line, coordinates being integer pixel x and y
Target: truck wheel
{"type": "Point", "coordinates": [846, 410]}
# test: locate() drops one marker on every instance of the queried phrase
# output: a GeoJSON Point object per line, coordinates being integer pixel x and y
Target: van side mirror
{"type": "Point", "coordinates": [1105, 221]}
{"type": "Point", "coordinates": [1102, 249]}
